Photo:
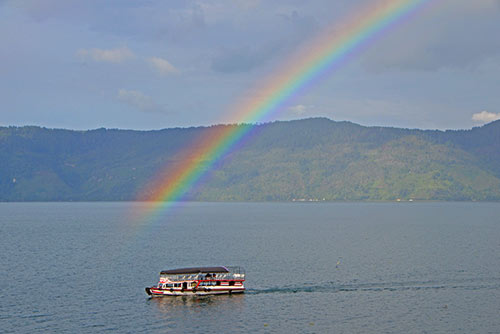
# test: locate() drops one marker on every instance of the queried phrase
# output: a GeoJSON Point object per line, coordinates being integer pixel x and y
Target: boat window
{"type": "Point", "coordinates": [231, 282]}
{"type": "Point", "coordinates": [217, 283]}
{"type": "Point", "coordinates": [207, 283]}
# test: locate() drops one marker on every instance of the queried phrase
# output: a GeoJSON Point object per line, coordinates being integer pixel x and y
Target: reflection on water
{"type": "Point", "coordinates": [185, 306]}
{"type": "Point", "coordinates": [183, 314]}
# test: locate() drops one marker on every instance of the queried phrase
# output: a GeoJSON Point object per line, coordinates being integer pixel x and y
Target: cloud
{"type": "Point", "coordinates": [236, 60]}
{"type": "Point", "coordinates": [102, 55]}
{"type": "Point", "coordinates": [139, 101]}
{"type": "Point", "coordinates": [162, 66]}
{"type": "Point", "coordinates": [248, 4]}
{"type": "Point", "coordinates": [245, 58]}
{"type": "Point", "coordinates": [485, 117]}
{"type": "Point", "coordinates": [272, 34]}
{"type": "Point", "coordinates": [300, 109]}
{"type": "Point", "coordinates": [454, 35]}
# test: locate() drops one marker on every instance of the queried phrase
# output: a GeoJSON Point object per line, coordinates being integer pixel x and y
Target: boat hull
{"type": "Point", "coordinates": [155, 292]}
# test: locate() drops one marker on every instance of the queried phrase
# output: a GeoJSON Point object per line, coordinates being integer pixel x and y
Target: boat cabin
{"type": "Point", "coordinates": [200, 281]}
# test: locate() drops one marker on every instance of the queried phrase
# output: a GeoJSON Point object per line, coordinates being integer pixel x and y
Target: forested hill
{"type": "Point", "coordinates": [316, 159]}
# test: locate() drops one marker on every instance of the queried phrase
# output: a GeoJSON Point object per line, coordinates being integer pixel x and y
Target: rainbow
{"type": "Point", "coordinates": [325, 53]}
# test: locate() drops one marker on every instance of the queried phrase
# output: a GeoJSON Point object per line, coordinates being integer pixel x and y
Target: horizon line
{"type": "Point", "coordinates": [246, 124]}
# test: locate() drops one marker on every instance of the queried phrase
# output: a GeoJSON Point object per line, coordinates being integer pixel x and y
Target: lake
{"type": "Point", "coordinates": [311, 267]}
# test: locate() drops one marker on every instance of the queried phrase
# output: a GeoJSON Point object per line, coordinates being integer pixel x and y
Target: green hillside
{"type": "Point", "coordinates": [280, 161]}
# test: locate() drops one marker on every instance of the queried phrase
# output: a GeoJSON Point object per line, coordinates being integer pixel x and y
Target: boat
{"type": "Point", "coordinates": [199, 281]}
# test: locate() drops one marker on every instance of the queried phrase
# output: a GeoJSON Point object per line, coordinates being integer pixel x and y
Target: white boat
{"type": "Point", "coordinates": [199, 281]}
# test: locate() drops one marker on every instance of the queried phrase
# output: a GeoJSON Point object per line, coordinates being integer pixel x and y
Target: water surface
{"type": "Point", "coordinates": [311, 267]}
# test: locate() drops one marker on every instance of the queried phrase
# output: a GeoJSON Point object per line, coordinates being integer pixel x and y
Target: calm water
{"type": "Point", "coordinates": [403, 267]}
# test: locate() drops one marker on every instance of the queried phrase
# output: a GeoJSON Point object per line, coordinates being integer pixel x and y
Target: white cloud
{"type": "Point", "coordinates": [300, 109]}
{"type": "Point", "coordinates": [485, 117]}
{"type": "Point", "coordinates": [162, 66]}
{"type": "Point", "coordinates": [102, 55]}
{"type": "Point", "coordinates": [139, 101]}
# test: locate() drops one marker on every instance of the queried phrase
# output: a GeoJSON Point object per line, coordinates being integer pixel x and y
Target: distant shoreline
{"type": "Point", "coordinates": [257, 202]}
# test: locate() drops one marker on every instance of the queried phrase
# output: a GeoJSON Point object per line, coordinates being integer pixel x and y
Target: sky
{"type": "Point", "coordinates": [156, 64]}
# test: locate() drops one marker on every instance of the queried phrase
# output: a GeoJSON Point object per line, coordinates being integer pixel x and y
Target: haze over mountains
{"type": "Point", "coordinates": [310, 159]}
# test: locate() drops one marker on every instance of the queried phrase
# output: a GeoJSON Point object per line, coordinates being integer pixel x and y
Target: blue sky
{"type": "Point", "coordinates": [159, 64]}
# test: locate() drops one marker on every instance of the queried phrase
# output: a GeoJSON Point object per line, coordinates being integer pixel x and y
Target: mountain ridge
{"type": "Point", "coordinates": [314, 158]}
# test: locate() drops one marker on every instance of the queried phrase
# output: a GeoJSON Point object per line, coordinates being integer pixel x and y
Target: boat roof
{"type": "Point", "coordinates": [195, 270]}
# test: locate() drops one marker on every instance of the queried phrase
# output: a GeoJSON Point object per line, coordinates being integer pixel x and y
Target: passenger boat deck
{"type": "Point", "coordinates": [199, 281]}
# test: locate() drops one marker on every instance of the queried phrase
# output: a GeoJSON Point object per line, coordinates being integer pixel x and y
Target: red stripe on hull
{"type": "Point", "coordinates": [179, 292]}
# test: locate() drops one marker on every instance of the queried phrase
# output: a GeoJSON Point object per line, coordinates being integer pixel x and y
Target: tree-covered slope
{"type": "Point", "coordinates": [305, 159]}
